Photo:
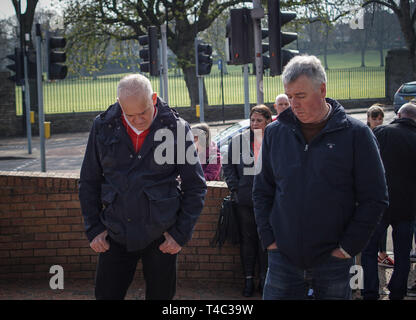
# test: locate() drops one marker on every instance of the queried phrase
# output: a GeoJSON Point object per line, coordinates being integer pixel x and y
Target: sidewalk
{"type": "Point", "coordinates": [83, 289]}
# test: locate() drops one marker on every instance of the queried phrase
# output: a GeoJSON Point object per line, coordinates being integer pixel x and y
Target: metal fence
{"type": "Point", "coordinates": [88, 94]}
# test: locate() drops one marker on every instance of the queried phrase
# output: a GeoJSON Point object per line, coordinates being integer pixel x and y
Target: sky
{"type": "Point", "coordinates": [7, 9]}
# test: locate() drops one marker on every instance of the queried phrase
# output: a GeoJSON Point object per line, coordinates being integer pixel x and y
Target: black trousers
{"type": "Point", "coordinates": [116, 268]}
{"type": "Point", "coordinates": [251, 250]}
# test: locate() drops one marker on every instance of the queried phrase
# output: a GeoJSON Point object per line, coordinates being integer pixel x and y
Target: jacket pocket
{"type": "Point", "coordinates": [162, 211]}
{"type": "Point", "coordinates": [108, 214]}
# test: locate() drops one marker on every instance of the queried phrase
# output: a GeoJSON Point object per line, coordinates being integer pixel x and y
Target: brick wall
{"type": "Point", "coordinates": [41, 225]}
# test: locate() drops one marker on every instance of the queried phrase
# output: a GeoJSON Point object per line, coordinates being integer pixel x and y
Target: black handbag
{"type": "Point", "coordinates": [227, 227]}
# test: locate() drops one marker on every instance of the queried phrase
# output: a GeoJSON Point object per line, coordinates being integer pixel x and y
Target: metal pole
{"type": "Point", "coordinates": [41, 115]}
{"type": "Point", "coordinates": [162, 91]}
{"type": "Point", "coordinates": [164, 56]}
{"type": "Point", "coordinates": [201, 98]}
{"type": "Point", "coordinates": [246, 93]}
{"type": "Point", "coordinates": [27, 98]}
{"type": "Point", "coordinates": [222, 90]}
{"type": "Point", "coordinates": [258, 53]}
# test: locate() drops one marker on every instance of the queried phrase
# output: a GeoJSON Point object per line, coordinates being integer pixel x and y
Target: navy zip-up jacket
{"type": "Point", "coordinates": [313, 198]}
{"type": "Point", "coordinates": [131, 195]}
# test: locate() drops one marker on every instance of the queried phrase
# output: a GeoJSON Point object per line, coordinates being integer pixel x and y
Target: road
{"type": "Point", "coordinates": [64, 152]}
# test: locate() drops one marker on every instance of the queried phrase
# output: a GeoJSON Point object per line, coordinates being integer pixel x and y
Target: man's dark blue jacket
{"type": "Point", "coordinates": [313, 198]}
{"type": "Point", "coordinates": [132, 196]}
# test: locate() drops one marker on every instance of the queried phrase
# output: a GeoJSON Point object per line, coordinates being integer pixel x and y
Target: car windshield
{"type": "Point", "coordinates": [228, 131]}
{"type": "Point", "coordinates": [409, 88]}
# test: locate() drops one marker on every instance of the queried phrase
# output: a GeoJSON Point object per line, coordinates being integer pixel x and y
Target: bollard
{"type": "Point", "coordinates": [197, 110]}
{"type": "Point", "coordinates": [32, 116]}
{"type": "Point", "coordinates": [47, 129]}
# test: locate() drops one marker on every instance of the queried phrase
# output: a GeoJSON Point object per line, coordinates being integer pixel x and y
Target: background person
{"type": "Point", "coordinates": [321, 190]}
{"type": "Point", "coordinates": [241, 185]}
{"type": "Point", "coordinates": [398, 151]}
{"type": "Point", "coordinates": [281, 104]}
{"type": "Point", "coordinates": [208, 152]}
{"type": "Point", "coordinates": [375, 118]}
{"type": "Point", "coordinates": [131, 204]}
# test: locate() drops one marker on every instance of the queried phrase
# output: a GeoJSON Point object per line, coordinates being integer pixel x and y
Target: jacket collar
{"type": "Point", "coordinates": [337, 118]}
{"type": "Point", "coordinates": [406, 121]}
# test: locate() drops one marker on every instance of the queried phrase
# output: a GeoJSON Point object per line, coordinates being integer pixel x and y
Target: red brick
{"type": "Point", "coordinates": [46, 236]}
{"type": "Point", "coordinates": [57, 244]}
{"type": "Point", "coordinates": [46, 205]}
{"type": "Point", "coordinates": [32, 260]}
{"type": "Point", "coordinates": [10, 246]}
{"type": "Point", "coordinates": [70, 204]}
{"type": "Point", "coordinates": [55, 260]}
{"type": "Point", "coordinates": [74, 213]}
{"type": "Point", "coordinates": [44, 252]}
{"type": "Point", "coordinates": [46, 221]}
{"type": "Point", "coordinates": [90, 266]}
{"type": "Point", "coordinates": [221, 258]}
{"type": "Point", "coordinates": [9, 230]}
{"type": "Point", "coordinates": [42, 268]}
{"type": "Point", "coordinates": [87, 251]}
{"type": "Point", "coordinates": [4, 254]}
{"type": "Point", "coordinates": [78, 227]}
{"type": "Point", "coordinates": [59, 197]}
{"type": "Point", "coordinates": [68, 252]}
{"type": "Point", "coordinates": [69, 220]}
{"type": "Point", "coordinates": [35, 197]}
{"type": "Point", "coordinates": [71, 236]}
{"type": "Point", "coordinates": [196, 258]}
{"type": "Point", "coordinates": [81, 274]}
{"type": "Point", "coordinates": [79, 243]}
{"type": "Point", "coordinates": [36, 229]}
{"type": "Point", "coordinates": [204, 226]}
{"type": "Point", "coordinates": [80, 259]}
{"type": "Point", "coordinates": [5, 223]}
{"type": "Point", "coordinates": [33, 214]}
{"type": "Point", "coordinates": [34, 245]}
{"type": "Point", "coordinates": [21, 253]}
{"type": "Point", "coordinates": [197, 274]}
{"type": "Point", "coordinates": [190, 266]}
{"type": "Point", "coordinates": [22, 206]}
{"type": "Point", "coordinates": [10, 199]}
{"type": "Point", "coordinates": [199, 243]}
{"type": "Point", "coordinates": [59, 228]}
{"type": "Point", "coordinates": [75, 197]}
{"type": "Point", "coordinates": [56, 213]}
{"type": "Point", "coordinates": [211, 266]}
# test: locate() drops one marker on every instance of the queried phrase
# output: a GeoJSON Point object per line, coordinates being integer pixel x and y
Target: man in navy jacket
{"type": "Point", "coordinates": [321, 190]}
{"type": "Point", "coordinates": [132, 203]}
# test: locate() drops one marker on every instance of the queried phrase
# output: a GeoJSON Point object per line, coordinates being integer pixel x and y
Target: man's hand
{"type": "Point", "coordinates": [272, 246]}
{"type": "Point", "coordinates": [338, 253]}
{"type": "Point", "coordinates": [169, 245]}
{"type": "Point", "coordinates": [99, 243]}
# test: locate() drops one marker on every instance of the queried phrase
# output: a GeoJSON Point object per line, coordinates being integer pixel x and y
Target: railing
{"type": "Point", "coordinates": [88, 94]}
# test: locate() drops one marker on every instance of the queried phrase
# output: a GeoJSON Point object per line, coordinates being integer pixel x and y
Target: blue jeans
{"type": "Point", "coordinates": [402, 244]}
{"type": "Point", "coordinates": [329, 280]}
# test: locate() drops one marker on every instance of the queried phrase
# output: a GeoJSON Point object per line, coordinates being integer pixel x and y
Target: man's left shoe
{"type": "Point", "coordinates": [387, 262]}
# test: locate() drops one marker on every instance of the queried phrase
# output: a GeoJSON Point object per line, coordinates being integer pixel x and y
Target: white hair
{"type": "Point", "coordinates": [135, 85]}
{"type": "Point", "coordinates": [280, 96]}
{"type": "Point", "coordinates": [309, 66]}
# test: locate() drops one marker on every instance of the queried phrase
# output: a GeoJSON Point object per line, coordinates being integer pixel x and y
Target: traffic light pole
{"type": "Point", "coordinates": [27, 98]}
{"type": "Point", "coordinates": [258, 50]}
{"type": "Point", "coordinates": [41, 115]}
{"type": "Point", "coordinates": [164, 58]}
{"type": "Point", "coordinates": [161, 86]}
{"type": "Point", "coordinates": [246, 93]}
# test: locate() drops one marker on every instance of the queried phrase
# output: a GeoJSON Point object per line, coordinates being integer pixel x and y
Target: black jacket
{"type": "Point", "coordinates": [398, 152]}
{"type": "Point", "coordinates": [313, 198]}
{"type": "Point", "coordinates": [239, 172]}
{"type": "Point", "coordinates": [130, 194]}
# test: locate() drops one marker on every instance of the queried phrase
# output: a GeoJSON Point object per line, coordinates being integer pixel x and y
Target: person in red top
{"type": "Point", "coordinates": [131, 202]}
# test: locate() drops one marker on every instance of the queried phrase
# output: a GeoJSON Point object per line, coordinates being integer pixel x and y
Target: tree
{"type": "Point", "coordinates": [93, 24]}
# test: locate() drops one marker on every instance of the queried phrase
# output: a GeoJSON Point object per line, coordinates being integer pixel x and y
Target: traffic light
{"type": "Point", "coordinates": [239, 37]}
{"type": "Point", "coordinates": [279, 57]}
{"type": "Point", "coordinates": [265, 48]}
{"type": "Point", "coordinates": [17, 67]}
{"type": "Point", "coordinates": [203, 58]}
{"type": "Point", "coordinates": [149, 52]}
{"type": "Point", "coordinates": [56, 69]}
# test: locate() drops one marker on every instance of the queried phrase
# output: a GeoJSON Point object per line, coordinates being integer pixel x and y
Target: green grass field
{"type": "Point", "coordinates": [83, 95]}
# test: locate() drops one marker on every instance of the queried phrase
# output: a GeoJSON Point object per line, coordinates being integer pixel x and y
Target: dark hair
{"type": "Point", "coordinates": [375, 111]}
{"type": "Point", "coordinates": [263, 110]}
